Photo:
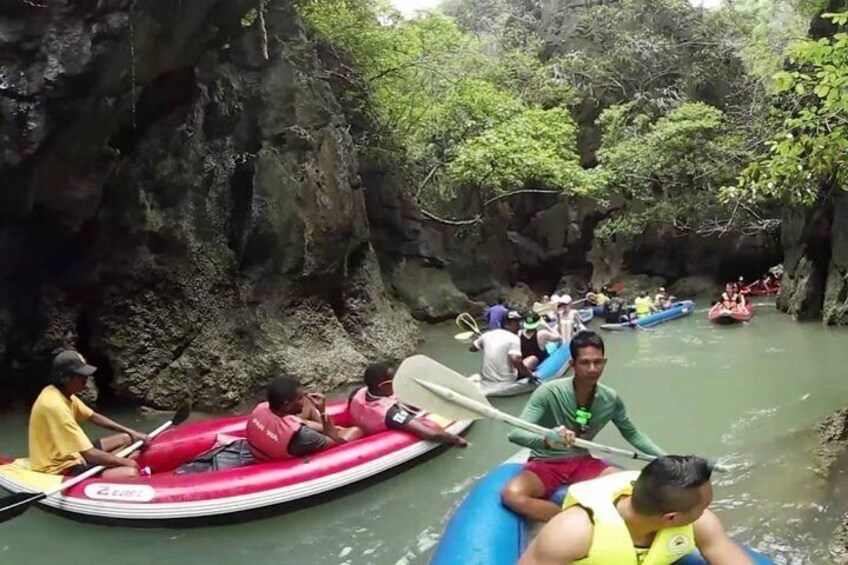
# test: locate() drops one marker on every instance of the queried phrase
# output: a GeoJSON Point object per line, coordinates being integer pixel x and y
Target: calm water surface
{"type": "Point", "coordinates": [750, 396]}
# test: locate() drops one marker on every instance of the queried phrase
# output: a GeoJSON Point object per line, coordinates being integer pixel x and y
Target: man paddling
{"type": "Point", "coordinates": [502, 360]}
{"type": "Point", "coordinates": [275, 430]}
{"type": "Point", "coordinates": [57, 443]}
{"type": "Point", "coordinates": [496, 314]}
{"type": "Point", "coordinates": [576, 407]}
{"type": "Point", "coordinates": [374, 409]}
{"type": "Point", "coordinates": [656, 516]}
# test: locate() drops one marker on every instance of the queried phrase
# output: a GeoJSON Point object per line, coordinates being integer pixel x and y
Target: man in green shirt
{"type": "Point", "coordinates": [575, 407]}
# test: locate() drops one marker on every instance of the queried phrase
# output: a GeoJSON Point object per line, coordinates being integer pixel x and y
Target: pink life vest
{"type": "Point", "coordinates": [370, 415]}
{"type": "Point", "coordinates": [268, 435]}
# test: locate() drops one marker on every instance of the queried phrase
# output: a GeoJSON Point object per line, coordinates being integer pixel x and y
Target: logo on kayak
{"type": "Point", "coordinates": [679, 543]}
{"type": "Point", "coordinates": [122, 493]}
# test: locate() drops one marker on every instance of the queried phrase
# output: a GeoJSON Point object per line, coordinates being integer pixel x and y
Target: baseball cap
{"type": "Point", "coordinates": [72, 362]}
{"type": "Point", "coordinates": [564, 299]}
{"type": "Point", "coordinates": [513, 315]}
{"type": "Point", "coordinates": [531, 321]}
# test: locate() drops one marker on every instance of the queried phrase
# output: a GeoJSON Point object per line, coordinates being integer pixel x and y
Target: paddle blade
{"type": "Point", "coordinates": [181, 414]}
{"type": "Point", "coordinates": [464, 336]}
{"type": "Point", "coordinates": [16, 504]}
{"type": "Point", "coordinates": [422, 368]}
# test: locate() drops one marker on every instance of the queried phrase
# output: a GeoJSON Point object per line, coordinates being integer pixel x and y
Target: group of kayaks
{"type": "Point", "coordinates": [481, 531]}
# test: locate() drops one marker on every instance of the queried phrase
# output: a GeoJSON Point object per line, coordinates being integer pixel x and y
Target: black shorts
{"type": "Point", "coordinates": [83, 467]}
{"type": "Point", "coordinates": [398, 417]}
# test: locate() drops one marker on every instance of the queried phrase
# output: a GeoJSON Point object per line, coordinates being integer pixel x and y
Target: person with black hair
{"type": "Point", "coordinates": [654, 517]}
{"type": "Point", "coordinates": [374, 409]}
{"type": "Point", "coordinates": [57, 443]}
{"type": "Point", "coordinates": [275, 430]}
{"type": "Point", "coordinates": [579, 406]}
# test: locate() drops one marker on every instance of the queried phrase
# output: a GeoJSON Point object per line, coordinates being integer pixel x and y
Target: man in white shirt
{"type": "Point", "coordinates": [502, 361]}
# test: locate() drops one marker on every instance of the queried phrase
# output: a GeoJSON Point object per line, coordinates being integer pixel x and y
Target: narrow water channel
{"type": "Point", "coordinates": [749, 395]}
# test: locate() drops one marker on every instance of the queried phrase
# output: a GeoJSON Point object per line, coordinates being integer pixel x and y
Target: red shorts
{"type": "Point", "coordinates": [557, 472]}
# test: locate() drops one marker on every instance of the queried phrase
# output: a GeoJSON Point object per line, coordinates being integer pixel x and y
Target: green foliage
{"type": "Point", "coordinates": [808, 148]}
{"type": "Point", "coordinates": [535, 148]}
{"type": "Point", "coordinates": [666, 170]}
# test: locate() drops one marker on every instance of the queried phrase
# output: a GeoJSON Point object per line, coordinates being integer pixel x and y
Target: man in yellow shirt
{"type": "Point", "coordinates": [57, 443]}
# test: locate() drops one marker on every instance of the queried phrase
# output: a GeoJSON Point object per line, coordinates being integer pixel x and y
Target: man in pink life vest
{"type": "Point", "coordinates": [374, 408]}
{"type": "Point", "coordinates": [275, 431]}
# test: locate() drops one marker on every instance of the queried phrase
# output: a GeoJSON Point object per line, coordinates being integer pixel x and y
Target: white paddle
{"type": "Point", "coordinates": [465, 336]}
{"type": "Point", "coordinates": [428, 384]}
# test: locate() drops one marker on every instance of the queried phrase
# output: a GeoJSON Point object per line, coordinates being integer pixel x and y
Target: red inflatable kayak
{"type": "Point", "coordinates": [720, 315]}
{"type": "Point", "coordinates": [166, 496]}
{"type": "Point", "coordinates": [759, 289]}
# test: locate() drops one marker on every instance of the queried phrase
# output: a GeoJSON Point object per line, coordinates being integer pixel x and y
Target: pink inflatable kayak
{"type": "Point", "coordinates": [166, 496]}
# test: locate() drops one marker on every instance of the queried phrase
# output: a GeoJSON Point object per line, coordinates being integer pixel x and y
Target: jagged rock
{"type": "Point", "coordinates": [806, 242]}
{"type": "Point", "coordinates": [835, 309]}
{"type": "Point", "coordinates": [696, 287]}
{"type": "Point", "coordinates": [430, 292]}
{"type": "Point", "coordinates": [832, 441]}
{"type": "Point", "coordinates": [838, 547]}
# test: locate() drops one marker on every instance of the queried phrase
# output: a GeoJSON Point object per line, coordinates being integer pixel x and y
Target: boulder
{"type": "Point", "coordinates": [629, 286]}
{"type": "Point", "coordinates": [430, 293]}
{"type": "Point", "coordinates": [696, 287]}
{"type": "Point", "coordinates": [520, 297]}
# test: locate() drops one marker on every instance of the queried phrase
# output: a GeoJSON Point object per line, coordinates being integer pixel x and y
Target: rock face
{"type": "Point", "coordinates": [835, 309]}
{"type": "Point", "coordinates": [430, 293]}
{"type": "Point", "coordinates": [185, 212]}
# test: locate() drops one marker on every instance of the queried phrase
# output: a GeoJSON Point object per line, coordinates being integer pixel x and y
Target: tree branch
{"type": "Point", "coordinates": [479, 217]}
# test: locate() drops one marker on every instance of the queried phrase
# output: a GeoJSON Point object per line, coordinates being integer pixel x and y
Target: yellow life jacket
{"type": "Point", "coordinates": [643, 306]}
{"type": "Point", "coordinates": [611, 542]}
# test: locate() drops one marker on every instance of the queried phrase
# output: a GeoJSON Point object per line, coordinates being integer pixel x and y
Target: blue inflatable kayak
{"type": "Point", "coordinates": [483, 531]}
{"type": "Point", "coordinates": [677, 310]}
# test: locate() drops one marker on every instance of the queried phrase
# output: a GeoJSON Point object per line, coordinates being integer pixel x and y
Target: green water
{"type": "Point", "coordinates": [749, 395]}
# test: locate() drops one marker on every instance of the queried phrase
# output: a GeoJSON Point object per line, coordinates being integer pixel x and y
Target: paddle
{"type": "Point", "coordinates": [14, 505]}
{"type": "Point", "coordinates": [465, 336]}
{"type": "Point", "coordinates": [428, 384]}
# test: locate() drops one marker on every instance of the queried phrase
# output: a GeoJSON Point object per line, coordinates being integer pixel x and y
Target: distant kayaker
{"type": "Point", "coordinates": [374, 408]}
{"type": "Point", "coordinates": [656, 516]}
{"type": "Point", "coordinates": [568, 321]}
{"type": "Point", "coordinates": [495, 315]}
{"type": "Point", "coordinates": [57, 443]}
{"type": "Point", "coordinates": [731, 299]}
{"type": "Point", "coordinates": [534, 341]}
{"type": "Point", "coordinates": [662, 300]}
{"type": "Point", "coordinates": [576, 407]}
{"type": "Point", "coordinates": [502, 360]}
{"type": "Point", "coordinates": [643, 304]}
{"type": "Point", "coordinates": [275, 430]}
{"type": "Point", "coordinates": [614, 309]}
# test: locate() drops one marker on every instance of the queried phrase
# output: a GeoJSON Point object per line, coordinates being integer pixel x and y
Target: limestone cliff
{"type": "Point", "coordinates": [186, 212]}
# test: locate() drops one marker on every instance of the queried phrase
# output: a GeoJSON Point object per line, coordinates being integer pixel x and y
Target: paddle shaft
{"type": "Point", "coordinates": [492, 412]}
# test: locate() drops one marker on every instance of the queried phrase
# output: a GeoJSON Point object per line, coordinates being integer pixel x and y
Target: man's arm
{"type": "Point", "coordinates": [714, 544]}
{"type": "Point", "coordinates": [564, 540]}
{"type": "Point", "coordinates": [104, 422]}
{"type": "Point", "coordinates": [95, 456]}
{"type": "Point", "coordinates": [476, 345]}
{"type": "Point", "coordinates": [517, 362]}
{"type": "Point", "coordinates": [550, 336]}
{"type": "Point", "coordinates": [534, 411]}
{"type": "Point", "coordinates": [427, 433]}
{"type": "Point", "coordinates": [629, 432]}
